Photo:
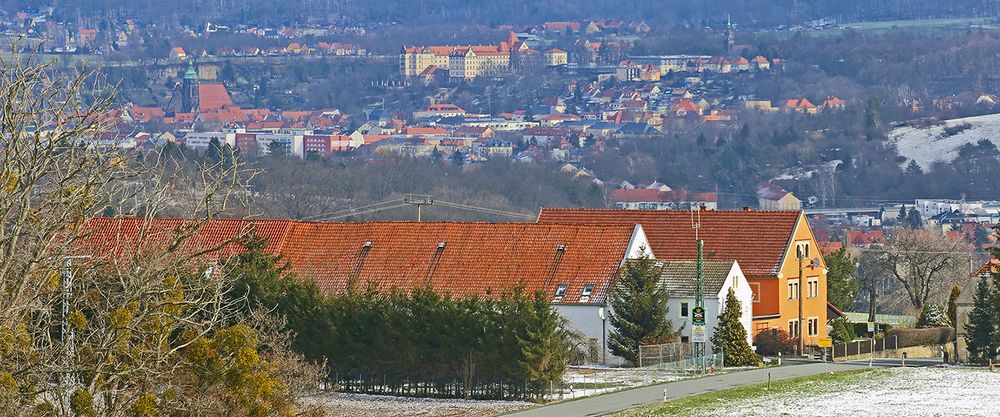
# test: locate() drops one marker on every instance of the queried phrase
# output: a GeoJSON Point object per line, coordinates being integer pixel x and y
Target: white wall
{"type": "Point", "coordinates": [714, 304]}
{"type": "Point", "coordinates": [585, 319]}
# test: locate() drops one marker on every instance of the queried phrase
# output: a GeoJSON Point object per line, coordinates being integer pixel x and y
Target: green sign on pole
{"type": "Point", "coordinates": [698, 316]}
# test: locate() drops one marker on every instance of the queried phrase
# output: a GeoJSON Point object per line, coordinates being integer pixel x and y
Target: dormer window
{"type": "Point", "coordinates": [561, 290]}
{"type": "Point", "coordinates": [587, 290]}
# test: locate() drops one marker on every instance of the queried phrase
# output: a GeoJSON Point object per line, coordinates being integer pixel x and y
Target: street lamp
{"type": "Point", "coordinates": [813, 263]}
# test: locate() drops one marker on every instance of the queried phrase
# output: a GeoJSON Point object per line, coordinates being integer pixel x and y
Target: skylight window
{"type": "Point", "coordinates": [587, 290]}
{"type": "Point", "coordinates": [561, 290]}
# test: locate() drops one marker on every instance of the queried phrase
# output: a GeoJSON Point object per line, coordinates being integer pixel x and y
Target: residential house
{"type": "Point", "coordinates": [555, 57]}
{"type": "Point", "coordinates": [799, 105]}
{"type": "Point", "coordinates": [767, 245]}
{"type": "Point", "coordinates": [718, 277]}
{"type": "Point", "coordinates": [574, 266]}
{"type": "Point", "coordinates": [773, 197]}
{"type": "Point", "coordinates": [653, 199]}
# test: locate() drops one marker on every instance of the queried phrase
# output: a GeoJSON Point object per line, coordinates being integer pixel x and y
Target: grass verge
{"type": "Point", "coordinates": [703, 404]}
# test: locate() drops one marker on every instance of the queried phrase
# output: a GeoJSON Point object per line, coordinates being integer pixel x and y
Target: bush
{"type": "Point", "coordinates": [773, 341]}
{"type": "Point", "coordinates": [932, 316]}
{"type": "Point", "coordinates": [922, 337]}
{"type": "Point", "coordinates": [843, 330]}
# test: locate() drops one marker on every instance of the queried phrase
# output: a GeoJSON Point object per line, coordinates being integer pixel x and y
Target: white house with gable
{"type": "Point", "coordinates": [718, 278]}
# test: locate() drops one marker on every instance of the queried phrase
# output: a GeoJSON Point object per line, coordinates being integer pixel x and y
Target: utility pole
{"type": "Point", "coordinates": [698, 313]}
{"type": "Point", "coordinates": [798, 290]}
{"type": "Point", "coordinates": [419, 201]}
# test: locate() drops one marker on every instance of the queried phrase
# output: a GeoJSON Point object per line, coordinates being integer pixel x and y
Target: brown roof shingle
{"type": "Point", "coordinates": [755, 239]}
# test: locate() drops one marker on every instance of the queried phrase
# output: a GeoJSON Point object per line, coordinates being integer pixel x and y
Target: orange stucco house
{"type": "Point", "coordinates": [765, 243]}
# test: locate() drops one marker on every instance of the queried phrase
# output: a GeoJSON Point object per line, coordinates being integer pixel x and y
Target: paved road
{"type": "Point", "coordinates": [617, 401]}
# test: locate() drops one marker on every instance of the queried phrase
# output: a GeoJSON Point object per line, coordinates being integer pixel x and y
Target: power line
{"type": "Point", "coordinates": [340, 213]}
{"type": "Point", "coordinates": [410, 201]}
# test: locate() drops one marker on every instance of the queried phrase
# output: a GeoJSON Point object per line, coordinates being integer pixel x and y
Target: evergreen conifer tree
{"type": "Point", "coordinates": [981, 330]}
{"type": "Point", "coordinates": [730, 337]}
{"type": "Point", "coordinates": [639, 305]}
{"type": "Point", "coordinates": [214, 152]}
{"type": "Point", "coordinates": [544, 348]}
{"type": "Point", "coordinates": [932, 316]}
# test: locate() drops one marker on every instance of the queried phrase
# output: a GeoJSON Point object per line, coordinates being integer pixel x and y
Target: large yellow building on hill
{"type": "Point", "coordinates": [463, 62]}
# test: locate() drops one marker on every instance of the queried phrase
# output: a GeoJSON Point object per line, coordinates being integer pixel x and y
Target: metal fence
{"type": "Point", "coordinates": [677, 357]}
{"type": "Point", "coordinates": [652, 355]}
{"type": "Point", "coordinates": [865, 346]}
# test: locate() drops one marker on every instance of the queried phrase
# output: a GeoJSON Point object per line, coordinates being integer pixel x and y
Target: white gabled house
{"type": "Point", "coordinates": [719, 276]}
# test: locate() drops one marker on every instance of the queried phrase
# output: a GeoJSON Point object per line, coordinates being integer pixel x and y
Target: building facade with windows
{"type": "Point", "coordinates": [766, 244]}
{"type": "Point", "coordinates": [678, 277]}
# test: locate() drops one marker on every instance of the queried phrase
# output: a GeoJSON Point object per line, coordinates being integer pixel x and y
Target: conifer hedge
{"type": "Point", "coordinates": [417, 343]}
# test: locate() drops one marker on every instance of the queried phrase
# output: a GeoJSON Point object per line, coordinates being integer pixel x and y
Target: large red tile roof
{"type": "Point", "coordinates": [213, 96]}
{"type": "Point", "coordinates": [481, 259]}
{"type": "Point", "coordinates": [476, 258]}
{"type": "Point", "coordinates": [755, 239]}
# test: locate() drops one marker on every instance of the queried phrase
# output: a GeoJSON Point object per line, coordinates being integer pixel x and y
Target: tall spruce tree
{"type": "Point", "coordinates": [639, 305]}
{"type": "Point", "coordinates": [980, 333]}
{"type": "Point", "coordinates": [841, 284]}
{"type": "Point", "coordinates": [544, 348]}
{"type": "Point", "coordinates": [730, 337]}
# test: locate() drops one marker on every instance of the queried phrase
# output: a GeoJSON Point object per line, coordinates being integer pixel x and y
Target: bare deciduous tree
{"type": "Point", "coordinates": [92, 324]}
{"type": "Point", "coordinates": [925, 264]}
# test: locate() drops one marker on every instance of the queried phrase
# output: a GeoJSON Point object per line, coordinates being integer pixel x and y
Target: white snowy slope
{"type": "Point", "coordinates": [927, 145]}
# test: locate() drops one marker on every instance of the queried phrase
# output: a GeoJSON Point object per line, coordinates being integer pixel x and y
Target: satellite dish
{"type": "Point", "coordinates": [815, 262]}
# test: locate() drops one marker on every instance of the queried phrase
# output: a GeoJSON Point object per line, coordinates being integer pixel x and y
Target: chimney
{"type": "Point", "coordinates": [746, 208]}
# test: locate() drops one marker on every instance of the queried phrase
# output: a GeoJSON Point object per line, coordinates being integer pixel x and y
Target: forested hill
{"type": "Point", "coordinates": [409, 12]}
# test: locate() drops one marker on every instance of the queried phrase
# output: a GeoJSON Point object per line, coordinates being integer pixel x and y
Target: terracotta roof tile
{"type": "Point", "coordinates": [755, 239]}
{"type": "Point", "coordinates": [476, 258]}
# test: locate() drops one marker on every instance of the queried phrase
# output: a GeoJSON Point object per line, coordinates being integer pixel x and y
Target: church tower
{"type": "Point", "coordinates": [730, 36]}
{"type": "Point", "coordinates": [189, 90]}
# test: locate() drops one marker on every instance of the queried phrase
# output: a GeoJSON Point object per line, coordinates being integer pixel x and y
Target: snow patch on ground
{"type": "Point", "coordinates": [899, 391]}
{"type": "Point", "coordinates": [925, 145]}
{"type": "Point", "coordinates": [588, 381]}
{"type": "Point", "coordinates": [361, 405]}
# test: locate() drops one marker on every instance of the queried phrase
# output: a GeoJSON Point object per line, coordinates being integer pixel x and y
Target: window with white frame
{"type": "Point", "coordinates": [793, 329]}
{"type": "Point", "coordinates": [755, 289]}
{"type": "Point", "coordinates": [813, 324]}
{"type": "Point", "coordinates": [793, 289]}
{"type": "Point", "coordinates": [802, 250]}
{"type": "Point", "coordinates": [813, 287]}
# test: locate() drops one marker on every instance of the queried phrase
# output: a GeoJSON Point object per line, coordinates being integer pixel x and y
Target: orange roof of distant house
{"type": "Point", "coordinates": [213, 96]}
{"type": "Point", "coordinates": [860, 237]}
{"type": "Point", "coordinates": [830, 247]}
{"type": "Point", "coordinates": [552, 26]}
{"type": "Point", "coordinates": [833, 102]}
{"type": "Point", "coordinates": [756, 239]}
{"type": "Point", "coordinates": [799, 103]}
{"type": "Point", "coordinates": [418, 130]}
{"type": "Point", "coordinates": [686, 106]}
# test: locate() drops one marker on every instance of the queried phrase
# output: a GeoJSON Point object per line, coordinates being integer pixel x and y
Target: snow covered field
{"type": "Point", "coordinates": [360, 405]}
{"type": "Point", "coordinates": [579, 382]}
{"type": "Point", "coordinates": [893, 392]}
{"type": "Point", "coordinates": [926, 145]}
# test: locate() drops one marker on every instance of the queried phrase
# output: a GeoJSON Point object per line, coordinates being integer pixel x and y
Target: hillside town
{"type": "Point", "coordinates": [523, 208]}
